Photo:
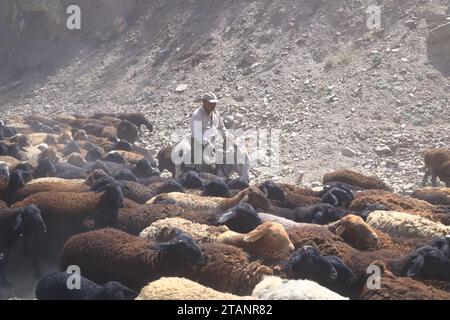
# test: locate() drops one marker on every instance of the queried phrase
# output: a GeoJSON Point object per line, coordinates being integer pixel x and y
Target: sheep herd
{"type": "Point", "coordinates": [78, 192]}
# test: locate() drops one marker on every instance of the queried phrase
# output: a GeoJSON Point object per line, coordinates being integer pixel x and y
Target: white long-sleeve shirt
{"type": "Point", "coordinates": [206, 126]}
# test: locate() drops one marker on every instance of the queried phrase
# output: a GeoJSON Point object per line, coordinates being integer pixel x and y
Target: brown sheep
{"type": "Point", "coordinates": [356, 179]}
{"type": "Point", "coordinates": [109, 254]}
{"type": "Point", "coordinates": [437, 164]}
{"type": "Point", "coordinates": [436, 196]}
{"type": "Point", "coordinates": [401, 288]}
{"type": "Point", "coordinates": [112, 255]}
{"type": "Point", "coordinates": [165, 162]}
{"type": "Point", "coordinates": [355, 231]}
{"type": "Point", "coordinates": [395, 202]}
{"type": "Point", "coordinates": [51, 184]}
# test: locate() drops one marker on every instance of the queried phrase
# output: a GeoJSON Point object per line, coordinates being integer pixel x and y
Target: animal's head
{"type": "Point", "coordinates": [80, 134]}
{"type": "Point", "coordinates": [164, 157]}
{"type": "Point", "coordinates": [17, 179]}
{"type": "Point", "coordinates": [309, 263]}
{"type": "Point", "coordinates": [338, 197]}
{"type": "Point", "coordinates": [9, 132]}
{"type": "Point", "coordinates": [429, 263]}
{"type": "Point", "coordinates": [345, 274]}
{"type": "Point", "coordinates": [115, 157]}
{"type": "Point", "coordinates": [328, 214]}
{"type": "Point", "coordinates": [145, 169]}
{"type": "Point", "coordinates": [242, 218]}
{"type": "Point", "coordinates": [170, 186]}
{"type": "Point", "coordinates": [45, 168]}
{"type": "Point", "coordinates": [50, 153]}
{"type": "Point", "coordinates": [443, 245]}
{"type": "Point", "coordinates": [21, 140]}
{"type": "Point", "coordinates": [4, 175]}
{"type": "Point", "coordinates": [216, 188]}
{"type": "Point", "coordinates": [29, 221]}
{"type": "Point", "coordinates": [14, 151]}
{"type": "Point", "coordinates": [147, 124]}
{"type": "Point", "coordinates": [76, 159]}
{"type": "Point", "coordinates": [273, 191]}
{"type": "Point", "coordinates": [94, 154]}
{"type": "Point", "coordinates": [115, 291]}
{"type": "Point", "coordinates": [190, 180]}
{"type": "Point", "coordinates": [95, 175]}
{"type": "Point", "coordinates": [183, 248]}
{"type": "Point", "coordinates": [125, 175]}
{"type": "Point", "coordinates": [354, 230]}
{"type": "Point", "coordinates": [123, 145]}
{"type": "Point", "coordinates": [113, 195]}
{"type": "Point", "coordinates": [271, 236]}
{"type": "Point", "coordinates": [72, 147]}
{"type": "Point", "coordinates": [50, 140]}
{"type": "Point", "coordinates": [238, 184]}
{"type": "Point", "coordinates": [256, 198]}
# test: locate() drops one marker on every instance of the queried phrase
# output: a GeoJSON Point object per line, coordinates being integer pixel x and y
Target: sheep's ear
{"type": "Point", "coordinates": [256, 234]}
{"type": "Point", "coordinates": [17, 222]}
{"type": "Point", "coordinates": [415, 266]}
{"type": "Point", "coordinates": [340, 230]}
{"type": "Point", "coordinates": [445, 249]}
{"type": "Point", "coordinates": [227, 216]}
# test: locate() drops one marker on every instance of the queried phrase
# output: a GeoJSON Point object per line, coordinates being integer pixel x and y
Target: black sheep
{"type": "Point", "coordinates": [137, 119]}
{"type": "Point", "coordinates": [127, 131]}
{"type": "Point", "coordinates": [329, 271]}
{"type": "Point", "coordinates": [25, 223]}
{"type": "Point", "coordinates": [11, 150]}
{"type": "Point", "coordinates": [216, 188]}
{"type": "Point", "coordinates": [428, 263]}
{"type": "Point", "coordinates": [112, 255]}
{"type": "Point", "coordinates": [72, 147]}
{"type": "Point", "coordinates": [16, 181]}
{"type": "Point", "coordinates": [322, 213]}
{"type": "Point", "coordinates": [337, 196]}
{"type": "Point", "coordinates": [94, 154]}
{"type": "Point", "coordinates": [238, 184]}
{"type": "Point", "coordinates": [53, 286]}
{"type": "Point", "coordinates": [273, 191]}
{"type": "Point", "coordinates": [45, 168]}
{"type": "Point", "coordinates": [114, 157]}
{"type": "Point", "coordinates": [144, 169]}
{"type": "Point", "coordinates": [191, 180]}
{"type": "Point", "coordinates": [242, 218]}
{"type": "Point", "coordinates": [125, 175]}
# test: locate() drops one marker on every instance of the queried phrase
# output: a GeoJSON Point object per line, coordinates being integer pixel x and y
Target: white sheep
{"type": "Point", "coordinates": [275, 288]}
{"type": "Point", "coordinates": [403, 224]}
{"type": "Point", "coordinates": [172, 288]}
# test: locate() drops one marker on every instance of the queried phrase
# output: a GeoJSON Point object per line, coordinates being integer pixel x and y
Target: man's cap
{"type": "Point", "coordinates": [210, 97]}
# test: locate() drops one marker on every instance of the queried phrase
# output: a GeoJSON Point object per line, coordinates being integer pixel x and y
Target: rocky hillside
{"type": "Point", "coordinates": [341, 94]}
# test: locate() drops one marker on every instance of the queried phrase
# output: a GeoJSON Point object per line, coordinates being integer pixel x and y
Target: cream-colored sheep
{"type": "Point", "coordinates": [268, 239]}
{"type": "Point", "coordinates": [274, 288]}
{"type": "Point", "coordinates": [406, 225]}
{"type": "Point", "coordinates": [172, 288]}
{"type": "Point", "coordinates": [251, 195]}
